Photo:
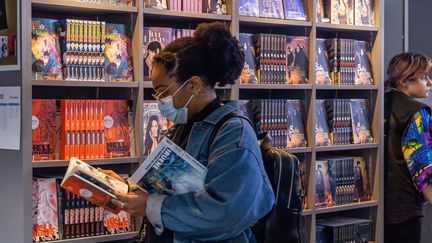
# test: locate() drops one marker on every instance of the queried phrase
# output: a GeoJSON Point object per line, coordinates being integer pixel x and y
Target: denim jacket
{"type": "Point", "coordinates": [237, 191]}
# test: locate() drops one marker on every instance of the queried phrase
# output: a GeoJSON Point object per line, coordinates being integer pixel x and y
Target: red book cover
{"type": "Point", "coordinates": [87, 131]}
{"type": "Point", "coordinates": [65, 130]}
{"type": "Point", "coordinates": [44, 129]}
{"type": "Point", "coordinates": [117, 223]}
{"type": "Point", "coordinates": [116, 129]}
{"type": "Point", "coordinates": [100, 128]}
{"type": "Point", "coordinates": [82, 129]}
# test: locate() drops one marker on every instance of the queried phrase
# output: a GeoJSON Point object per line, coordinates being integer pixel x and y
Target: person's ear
{"type": "Point", "coordinates": [195, 84]}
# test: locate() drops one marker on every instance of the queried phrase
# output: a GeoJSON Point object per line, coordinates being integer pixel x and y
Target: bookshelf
{"type": "Point", "coordinates": [140, 90]}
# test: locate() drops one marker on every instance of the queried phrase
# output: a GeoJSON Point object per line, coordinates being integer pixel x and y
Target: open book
{"type": "Point", "coordinates": [92, 184]}
{"type": "Point", "coordinates": [170, 170]}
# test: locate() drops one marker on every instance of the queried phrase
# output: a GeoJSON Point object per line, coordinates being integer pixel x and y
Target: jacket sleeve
{"type": "Point", "coordinates": [237, 192]}
{"type": "Point", "coordinates": [417, 150]}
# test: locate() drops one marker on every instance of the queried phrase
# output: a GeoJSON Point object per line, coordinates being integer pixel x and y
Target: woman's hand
{"type": "Point", "coordinates": [112, 174]}
{"type": "Point", "coordinates": [134, 202]}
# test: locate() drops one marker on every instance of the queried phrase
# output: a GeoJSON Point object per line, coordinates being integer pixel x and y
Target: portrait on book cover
{"type": "Point", "coordinates": [322, 75]}
{"type": "Point", "coordinates": [294, 9]}
{"type": "Point", "coordinates": [249, 8]}
{"type": "Point", "coordinates": [45, 225]}
{"type": "Point", "coordinates": [153, 125]}
{"type": "Point", "coordinates": [323, 196]}
{"type": "Point", "coordinates": [248, 74]}
{"type": "Point", "coordinates": [361, 182]}
{"type": "Point", "coordinates": [46, 62]}
{"type": "Point", "coordinates": [116, 129]}
{"type": "Point", "coordinates": [363, 12]}
{"type": "Point", "coordinates": [44, 129]}
{"type": "Point", "coordinates": [342, 12]}
{"type": "Point", "coordinates": [118, 65]}
{"type": "Point", "coordinates": [297, 49]}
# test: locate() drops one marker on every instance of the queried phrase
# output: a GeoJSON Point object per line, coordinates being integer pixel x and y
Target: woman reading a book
{"type": "Point", "coordinates": [237, 191]}
{"type": "Point", "coordinates": [408, 147]}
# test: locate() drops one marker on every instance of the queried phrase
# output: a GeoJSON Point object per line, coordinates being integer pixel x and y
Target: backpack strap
{"type": "Point", "coordinates": [222, 121]}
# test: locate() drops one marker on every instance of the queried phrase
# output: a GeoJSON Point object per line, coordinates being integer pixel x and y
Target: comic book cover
{"type": "Point", "coordinates": [304, 184]}
{"type": "Point", "coordinates": [92, 184]}
{"type": "Point", "coordinates": [342, 12]}
{"type": "Point", "coordinates": [363, 73]}
{"type": "Point", "coordinates": [215, 6]}
{"type": "Point", "coordinates": [116, 129]}
{"type": "Point", "coordinates": [323, 196]}
{"type": "Point", "coordinates": [320, 11]}
{"type": "Point", "coordinates": [322, 74]}
{"type": "Point", "coordinates": [4, 46]}
{"type": "Point", "coordinates": [159, 4]}
{"type": "Point", "coordinates": [364, 12]}
{"type": "Point", "coordinates": [116, 223]}
{"type": "Point", "coordinates": [154, 123]}
{"type": "Point", "coordinates": [297, 49]}
{"type": "Point", "coordinates": [248, 74]}
{"type": "Point", "coordinates": [294, 9]}
{"type": "Point", "coordinates": [44, 129]}
{"type": "Point", "coordinates": [155, 40]}
{"type": "Point", "coordinates": [360, 121]}
{"type": "Point", "coordinates": [46, 63]}
{"type": "Point", "coordinates": [124, 2]}
{"type": "Point", "coordinates": [322, 133]}
{"type": "Point", "coordinates": [271, 9]}
{"type": "Point", "coordinates": [361, 180]}
{"type": "Point", "coordinates": [118, 62]}
{"type": "Point", "coordinates": [170, 170]}
{"type": "Point", "coordinates": [45, 210]}
{"type": "Point", "coordinates": [295, 124]}
{"type": "Point", "coordinates": [249, 8]}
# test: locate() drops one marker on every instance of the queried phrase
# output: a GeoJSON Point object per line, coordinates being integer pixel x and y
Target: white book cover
{"type": "Point", "coordinates": [170, 170]}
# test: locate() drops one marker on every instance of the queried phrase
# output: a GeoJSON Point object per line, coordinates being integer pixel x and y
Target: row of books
{"type": "Point", "coordinates": [114, 2]}
{"type": "Point", "coordinates": [274, 59]}
{"type": "Point", "coordinates": [58, 214]}
{"type": "Point", "coordinates": [344, 229]}
{"type": "Point", "coordinates": [80, 50]}
{"type": "Point", "coordinates": [279, 9]}
{"type": "Point", "coordinates": [156, 39]}
{"type": "Point", "coordinates": [343, 62]}
{"type": "Point", "coordinates": [340, 181]}
{"type": "Point", "coordinates": [87, 129]}
{"type": "Point", "coordinates": [337, 122]}
{"type": "Point", "coordinates": [192, 6]}
{"type": "Point", "coordinates": [351, 12]}
{"type": "Point", "coordinates": [283, 119]}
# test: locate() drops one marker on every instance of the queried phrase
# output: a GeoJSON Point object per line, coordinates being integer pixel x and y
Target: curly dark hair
{"type": "Point", "coordinates": [213, 54]}
{"type": "Point", "coordinates": [407, 67]}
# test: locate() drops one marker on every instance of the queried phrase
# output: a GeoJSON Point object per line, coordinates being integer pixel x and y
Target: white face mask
{"type": "Point", "coordinates": [168, 110]}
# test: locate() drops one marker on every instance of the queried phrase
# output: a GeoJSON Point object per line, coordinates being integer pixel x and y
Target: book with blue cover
{"type": "Point", "coordinates": [249, 8]}
{"type": "Point", "coordinates": [170, 170]}
{"type": "Point", "coordinates": [294, 9]}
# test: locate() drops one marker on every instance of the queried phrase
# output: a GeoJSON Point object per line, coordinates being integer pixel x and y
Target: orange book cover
{"type": "Point", "coordinates": [101, 116]}
{"type": "Point", "coordinates": [93, 153]}
{"type": "Point", "coordinates": [72, 150]}
{"type": "Point", "coordinates": [77, 128]}
{"type": "Point", "coordinates": [88, 129]}
{"type": "Point", "coordinates": [116, 129]}
{"type": "Point", "coordinates": [90, 183]}
{"type": "Point", "coordinates": [65, 129]}
{"type": "Point", "coordinates": [44, 129]}
{"type": "Point", "coordinates": [82, 129]}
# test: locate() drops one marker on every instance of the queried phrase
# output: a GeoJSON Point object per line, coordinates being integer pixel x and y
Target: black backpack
{"type": "Point", "coordinates": [282, 223]}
